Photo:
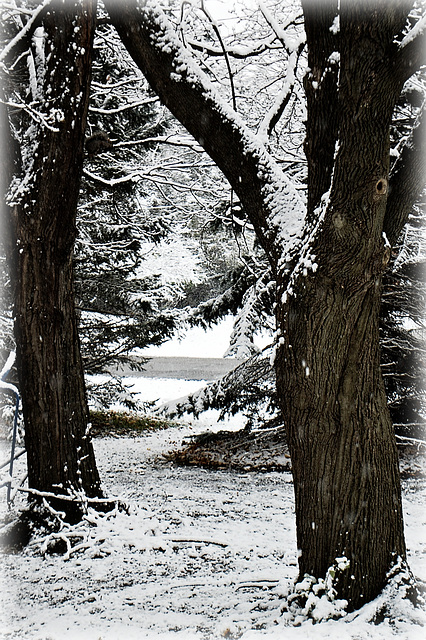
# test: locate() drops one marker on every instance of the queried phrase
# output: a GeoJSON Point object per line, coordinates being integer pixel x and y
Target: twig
{"type": "Point", "coordinates": [138, 103]}
{"type": "Point", "coordinates": [225, 53]}
{"type": "Point", "coordinates": [186, 585]}
{"type": "Point", "coordinates": [407, 440]}
{"type": "Point", "coordinates": [258, 584]}
{"type": "Point", "coordinates": [193, 541]}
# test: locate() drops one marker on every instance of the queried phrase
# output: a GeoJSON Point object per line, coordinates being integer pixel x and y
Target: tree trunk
{"type": "Point", "coordinates": [341, 439]}
{"type": "Point", "coordinates": [59, 450]}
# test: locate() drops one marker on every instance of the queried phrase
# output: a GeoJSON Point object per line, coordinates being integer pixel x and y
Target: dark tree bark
{"type": "Point", "coordinates": [43, 217]}
{"type": "Point", "coordinates": [406, 181]}
{"type": "Point", "coordinates": [329, 385]}
{"type": "Point", "coordinates": [340, 435]}
{"type": "Point", "coordinates": [320, 85]}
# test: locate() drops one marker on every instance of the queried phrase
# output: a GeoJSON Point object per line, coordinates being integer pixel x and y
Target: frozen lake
{"type": "Point", "coordinates": [181, 368]}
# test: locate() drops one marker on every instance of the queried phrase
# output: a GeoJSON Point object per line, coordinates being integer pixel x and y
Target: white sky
{"type": "Point", "coordinates": [197, 343]}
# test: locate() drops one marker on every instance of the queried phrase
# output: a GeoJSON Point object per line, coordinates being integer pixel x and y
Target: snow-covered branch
{"type": "Point", "coordinates": [239, 52]}
{"type": "Point", "coordinates": [173, 140]}
{"type": "Point", "coordinates": [281, 101]}
{"type": "Point", "coordinates": [417, 31]}
{"type": "Point", "coordinates": [104, 87]}
{"type": "Point", "coordinates": [26, 30]}
{"type": "Point", "coordinates": [155, 175]}
{"type": "Point", "coordinates": [411, 53]}
{"type": "Point", "coordinates": [123, 107]}
{"type": "Point", "coordinates": [270, 198]}
{"type": "Point", "coordinates": [291, 44]}
{"type": "Point", "coordinates": [33, 113]}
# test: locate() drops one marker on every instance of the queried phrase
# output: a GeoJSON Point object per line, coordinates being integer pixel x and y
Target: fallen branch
{"type": "Point", "coordinates": [68, 498]}
{"type": "Point", "coordinates": [258, 584]}
{"type": "Point", "coordinates": [193, 541]}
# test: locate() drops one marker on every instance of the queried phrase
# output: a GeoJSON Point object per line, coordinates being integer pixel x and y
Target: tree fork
{"type": "Point", "coordinates": [346, 478]}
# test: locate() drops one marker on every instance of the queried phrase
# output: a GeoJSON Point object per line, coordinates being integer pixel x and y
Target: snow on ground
{"type": "Point", "coordinates": [201, 555]}
{"type": "Point", "coordinates": [165, 569]}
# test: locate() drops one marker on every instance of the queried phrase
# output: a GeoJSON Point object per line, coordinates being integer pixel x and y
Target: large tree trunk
{"type": "Point", "coordinates": [342, 444]}
{"type": "Point", "coordinates": [59, 449]}
{"type": "Point", "coordinates": [341, 440]}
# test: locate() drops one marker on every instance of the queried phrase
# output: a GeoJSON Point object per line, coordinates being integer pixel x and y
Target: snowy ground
{"type": "Point", "coordinates": [201, 555]}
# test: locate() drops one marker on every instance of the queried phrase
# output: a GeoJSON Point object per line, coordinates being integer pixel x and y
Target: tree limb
{"type": "Point", "coordinates": [123, 107]}
{"type": "Point", "coordinates": [27, 31]}
{"type": "Point", "coordinates": [294, 48]}
{"type": "Point", "coordinates": [411, 54]}
{"type": "Point", "coordinates": [225, 53]}
{"type": "Point", "coordinates": [239, 53]}
{"type": "Point", "coordinates": [270, 199]}
{"type": "Point", "coordinates": [321, 88]}
{"type": "Point", "coordinates": [406, 183]}
{"type": "Point", "coordinates": [288, 43]}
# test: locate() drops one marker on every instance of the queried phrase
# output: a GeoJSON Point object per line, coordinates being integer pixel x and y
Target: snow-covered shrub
{"type": "Point", "coordinates": [316, 599]}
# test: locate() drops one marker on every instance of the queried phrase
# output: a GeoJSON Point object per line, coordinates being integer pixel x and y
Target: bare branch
{"type": "Point", "coordinates": [172, 140]}
{"type": "Point", "coordinates": [124, 107]}
{"type": "Point", "coordinates": [225, 53]}
{"type": "Point", "coordinates": [270, 199]}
